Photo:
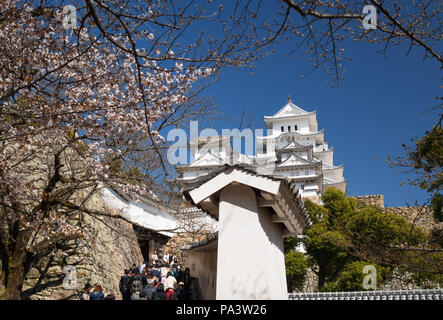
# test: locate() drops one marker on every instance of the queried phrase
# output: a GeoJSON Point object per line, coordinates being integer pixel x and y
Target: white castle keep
{"type": "Point", "coordinates": [293, 148]}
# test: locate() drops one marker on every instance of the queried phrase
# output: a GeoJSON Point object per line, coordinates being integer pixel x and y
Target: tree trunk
{"type": "Point", "coordinates": [16, 268]}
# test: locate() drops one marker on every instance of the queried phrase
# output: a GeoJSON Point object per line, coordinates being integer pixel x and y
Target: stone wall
{"type": "Point", "coordinates": [373, 200]}
{"type": "Point", "coordinates": [108, 247]}
{"type": "Point", "coordinates": [178, 241]}
{"type": "Point", "coordinates": [311, 281]}
{"type": "Point", "coordinates": [405, 281]}
{"type": "Point", "coordinates": [419, 216]}
{"type": "Point", "coordinates": [396, 282]}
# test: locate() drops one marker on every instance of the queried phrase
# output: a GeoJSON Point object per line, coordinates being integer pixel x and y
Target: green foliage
{"type": "Point", "coordinates": [290, 243]}
{"type": "Point", "coordinates": [342, 238]}
{"type": "Point", "coordinates": [337, 204]}
{"type": "Point", "coordinates": [428, 156]}
{"type": "Point", "coordinates": [322, 239]}
{"type": "Point", "coordinates": [437, 207]}
{"type": "Point", "coordinates": [351, 278]}
{"type": "Point", "coordinates": [316, 212]}
{"type": "Point", "coordinates": [296, 267]}
{"type": "Point", "coordinates": [425, 160]}
{"type": "Point", "coordinates": [373, 227]}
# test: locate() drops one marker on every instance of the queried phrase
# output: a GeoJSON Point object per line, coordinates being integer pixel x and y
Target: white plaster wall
{"type": "Point", "coordinates": [335, 174]}
{"type": "Point", "coordinates": [302, 125]}
{"type": "Point", "coordinates": [321, 146]}
{"type": "Point", "coordinates": [270, 146]}
{"type": "Point", "coordinates": [148, 216]}
{"type": "Point", "coordinates": [301, 154]}
{"type": "Point", "coordinates": [301, 246]}
{"type": "Point", "coordinates": [307, 186]}
{"type": "Point", "coordinates": [340, 186]}
{"type": "Point", "coordinates": [250, 262]}
{"type": "Point", "coordinates": [193, 173]}
{"type": "Point", "coordinates": [327, 157]}
{"type": "Point", "coordinates": [297, 172]}
{"type": "Point", "coordinates": [303, 140]}
{"type": "Point", "coordinates": [221, 150]}
{"type": "Point", "coordinates": [151, 217]}
{"type": "Point", "coordinates": [308, 193]}
{"type": "Point", "coordinates": [203, 265]}
{"type": "Point", "coordinates": [113, 200]}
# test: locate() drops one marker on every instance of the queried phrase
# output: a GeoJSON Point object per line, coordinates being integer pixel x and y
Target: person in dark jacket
{"type": "Point", "coordinates": [181, 292]}
{"type": "Point", "coordinates": [135, 269]}
{"type": "Point", "coordinates": [125, 285]}
{"type": "Point", "coordinates": [179, 274]}
{"type": "Point", "coordinates": [86, 292]}
{"type": "Point", "coordinates": [149, 289]}
{"type": "Point", "coordinates": [142, 278]}
{"type": "Point", "coordinates": [173, 296]}
{"type": "Point", "coordinates": [136, 288]}
{"type": "Point", "coordinates": [159, 293]}
{"type": "Point", "coordinates": [156, 272]}
{"type": "Point", "coordinates": [97, 294]}
{"type": "Point", "coordinates": [148, 292]}
{"type": "Point", "coordinates": [187, 279]}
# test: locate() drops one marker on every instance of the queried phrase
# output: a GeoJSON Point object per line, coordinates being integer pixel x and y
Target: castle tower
{"type": "Point", "coordinates": [293, 148]}
{"type": "Point", "coordinates": [299, 151]}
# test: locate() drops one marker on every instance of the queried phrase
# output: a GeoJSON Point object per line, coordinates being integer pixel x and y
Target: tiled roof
{"type": "Point", "coordinates": [289, 182]}
{"type": "Point", "coordinates": [211, 237]}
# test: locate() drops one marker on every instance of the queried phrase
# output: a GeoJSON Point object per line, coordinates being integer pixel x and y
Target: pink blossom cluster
{"type": "Point", "coordinates": [64, 90]}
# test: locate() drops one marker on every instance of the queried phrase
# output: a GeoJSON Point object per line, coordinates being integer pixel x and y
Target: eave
{"type": "Point", "coordinates": [280, 193]}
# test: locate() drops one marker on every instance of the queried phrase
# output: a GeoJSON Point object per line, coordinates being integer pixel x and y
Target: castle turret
{"type": "Point", "coordinates": [293, 148]}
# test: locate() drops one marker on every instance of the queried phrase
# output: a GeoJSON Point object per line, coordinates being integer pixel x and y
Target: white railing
{"type": "Point", "coordinates": [428, 294]}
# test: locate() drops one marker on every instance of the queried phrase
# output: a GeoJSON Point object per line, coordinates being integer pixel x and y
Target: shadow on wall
{"type": "Point", "coordinates": [273, 232]}
{"type": "Point", "coordinates": [260, 290]}
{"type": "Point", "coordinates": [251, 256]}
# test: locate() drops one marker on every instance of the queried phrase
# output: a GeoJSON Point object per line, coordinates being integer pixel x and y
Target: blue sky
{"type": "Point", "coordinates": [372, 112]}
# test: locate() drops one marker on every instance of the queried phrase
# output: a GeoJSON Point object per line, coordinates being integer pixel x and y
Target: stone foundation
{"type": "Point", "coordinates": [100, 257]}
{"type": "Point", "coordinates": [419, 216]}
{"type": "Point", "coordinates": [374, 200]}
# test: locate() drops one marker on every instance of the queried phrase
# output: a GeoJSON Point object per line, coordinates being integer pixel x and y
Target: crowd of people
{"type": "Point", "coordinates": [95, 293]}
{"type": "Point", "coordinates": [162, 280]}
{"type": "Point", "coordinates": [159, 281]}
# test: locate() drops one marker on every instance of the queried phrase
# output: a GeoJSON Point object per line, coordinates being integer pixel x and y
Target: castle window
{"type": "Point", "coordinates": [295, 127]}
{"type": "Point", "coordinates": [282, 129]}
{"type": "Point", "coordinates": [289, 128]}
